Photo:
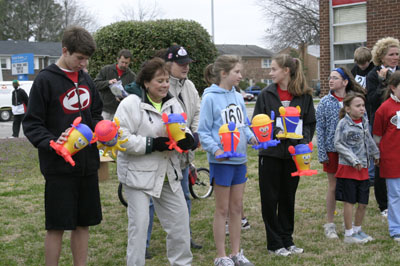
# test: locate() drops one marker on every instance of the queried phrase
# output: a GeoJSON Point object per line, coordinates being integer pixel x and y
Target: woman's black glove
{"type": "Point", "coordinates": [159, 144]}
{"type": "Point", "coordinates": [186, 143]}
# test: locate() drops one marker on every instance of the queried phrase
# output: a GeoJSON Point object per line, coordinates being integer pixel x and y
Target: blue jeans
{"type": "Point", "coordinates": [393, 193]}
{"type": "Point", "coordinates": [186, 192]}
{"type": "Point", "coordinates": [151, 218]}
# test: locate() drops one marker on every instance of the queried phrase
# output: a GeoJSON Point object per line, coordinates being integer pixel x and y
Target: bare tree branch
{"type": "Point", "coordinates": [293, 22]}
{"type": "Point", "coordinates": [74, 13]}
{"type": "Point", "coordinates": [139, 11]}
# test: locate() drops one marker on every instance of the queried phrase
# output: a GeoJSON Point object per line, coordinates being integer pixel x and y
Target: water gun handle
{"type": "Point", "coordinates": [60, 150]}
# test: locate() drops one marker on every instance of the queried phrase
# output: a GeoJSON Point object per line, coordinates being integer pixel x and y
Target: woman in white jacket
{"type": "Point", "coordinates": [149, 169]}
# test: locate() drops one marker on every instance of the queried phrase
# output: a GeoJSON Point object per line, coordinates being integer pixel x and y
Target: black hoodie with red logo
{"type": "Point", "coordinates": [54, 102]}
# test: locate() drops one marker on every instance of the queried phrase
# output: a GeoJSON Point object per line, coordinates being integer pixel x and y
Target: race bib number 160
{"type": "Point", "coordinates": [233, 113]}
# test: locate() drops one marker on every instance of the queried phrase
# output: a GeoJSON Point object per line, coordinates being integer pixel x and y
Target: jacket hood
{"type": "Point", "coordinates": [217, 89]}
{"type": "Point", "coordinates": [134, 88]}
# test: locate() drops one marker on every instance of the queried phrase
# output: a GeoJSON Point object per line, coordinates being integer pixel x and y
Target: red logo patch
{"type": "Point", "coordinates": [73, 98]}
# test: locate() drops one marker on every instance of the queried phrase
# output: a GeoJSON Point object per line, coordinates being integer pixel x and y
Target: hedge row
{"type": "Point", "coordinates": [144, 38]}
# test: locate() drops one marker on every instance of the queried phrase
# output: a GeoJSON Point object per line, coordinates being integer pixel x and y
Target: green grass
{"type": "Point", "coordinates": [22, 221]}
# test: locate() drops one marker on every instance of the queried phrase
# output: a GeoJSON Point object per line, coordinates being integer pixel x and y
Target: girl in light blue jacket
{"type": "Point", "coordinates": [221, 104]}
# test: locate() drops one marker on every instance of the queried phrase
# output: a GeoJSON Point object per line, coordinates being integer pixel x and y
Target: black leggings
{"type": "Point", "coordinates": [380, 190]}
{"type": "Point", "coordinates": [278, 192]}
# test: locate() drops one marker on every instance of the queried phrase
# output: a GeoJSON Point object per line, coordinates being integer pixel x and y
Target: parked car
{"type": "Point", "coordinates": [6, 89]}
{"type": "Point", "coordinates": [255, 90]}
{"type": "Point", "coordinates": [247, 96]}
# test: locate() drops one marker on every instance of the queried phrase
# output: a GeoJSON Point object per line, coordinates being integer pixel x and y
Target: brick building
{"type": "Point", "coordinates": [310, 61]}
{"type": "Point", "coordinates": [256, 61]}
{"type": "Point", "coordinates": [348, 24]}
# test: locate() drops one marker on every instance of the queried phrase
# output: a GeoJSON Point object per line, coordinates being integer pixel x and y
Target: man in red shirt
{"type": "Point", "coordinates": [111, 74]}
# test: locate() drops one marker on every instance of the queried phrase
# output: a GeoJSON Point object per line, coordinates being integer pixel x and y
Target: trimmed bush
{"type": "Point", "coordinates": [144, 38]}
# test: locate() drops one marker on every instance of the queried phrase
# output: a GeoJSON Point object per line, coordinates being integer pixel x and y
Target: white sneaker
{"type": "Point", "coordinates": [240, 260]}
{"type": "Point", "coordinates": [280, 252]}
{"type": "Point", "coordinates": [295, 250]}
{"type": "Point", "coordinates": [330, 231]}
{"type": "Point", "coordinates": [354, 239]}
{"type": "Point", "coordinates": [384, 213]}
{"type": "Point", "coordinates": [223, 261]}
{"type": "Point", "coordinates": [365, 236]}
{"type": "Point", "coordinates": [226, 228]}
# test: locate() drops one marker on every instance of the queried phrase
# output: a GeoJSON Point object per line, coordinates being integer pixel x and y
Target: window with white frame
{"type": "Point", "coordinates": [51, 61]}
{"type": "Point", "coordinates": [36, 62]}
{"type": "Point", "coordinates": [267, 81]}
{"type": "Point", "coordinates": [349, 31]}
{"type": "Point", "coordinates": [5, 63]}
{"type": "Point", "coordinates": [266, 63]}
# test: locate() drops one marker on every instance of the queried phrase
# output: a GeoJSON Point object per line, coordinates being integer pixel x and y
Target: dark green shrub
{"type": "Point", "coordinates": [262, 85]}
{"type": "Point", "coordinates": [243, 84]}
{"type": "Point", "coordinates": [144, 38]}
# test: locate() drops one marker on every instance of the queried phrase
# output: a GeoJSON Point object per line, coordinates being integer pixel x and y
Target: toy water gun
{"type": "Point", "coordinates": [301, 154]}
{"type": "Point", "coordinates": [78, 138]}
{"type": "Point", "coordinates": [262, 128]}
{"type": "Point", "coordinates": [290, 120]}
{"type": "Point", "coordinates": [109, 136]}
{"type": "Point", "coordinates": [176, 129]}
{"type": "Point", "coordinates": [230, 138]}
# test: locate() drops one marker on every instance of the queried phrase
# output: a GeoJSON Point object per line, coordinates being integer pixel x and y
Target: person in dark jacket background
{"type": "Point", "coordinates": [19, 102]}
{"type": "Point", "coordinates": [111, 74]}
{"type": "Point", "coordinates": [277, 186]}
{"type": "Point", "coordinates": [60, 93]}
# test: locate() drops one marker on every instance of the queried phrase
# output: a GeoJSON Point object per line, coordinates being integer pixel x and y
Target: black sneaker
{"type": "Point", "coordinates": [245, 224]}
{"type": "Point", "coordinates": [194, 245]}
{"type": "Point", "coordinates": [148, 255]}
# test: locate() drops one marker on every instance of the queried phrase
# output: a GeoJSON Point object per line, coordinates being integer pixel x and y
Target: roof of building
{"type": "Point", "coordinates": [11, 47]}
{"type": "Point", "coordinates": [244, 50]}
{"type": "Point", "coordinates": [313, 50]}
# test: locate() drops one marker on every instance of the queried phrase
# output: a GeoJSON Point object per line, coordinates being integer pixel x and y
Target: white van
{"type": "Point", "coordinates": [6, 89]}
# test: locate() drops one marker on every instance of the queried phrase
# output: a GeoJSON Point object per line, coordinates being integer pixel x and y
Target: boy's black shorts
{"type": "Point", "coordinates": [352, 191]}
{"type": "Point", "coordinates": [72, 201]}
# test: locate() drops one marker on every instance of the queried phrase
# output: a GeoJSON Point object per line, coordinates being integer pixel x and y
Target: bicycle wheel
{"type": "Point", "coordinates": [121, 195]}
{"type": "Point", "coordinates": [202, 188]}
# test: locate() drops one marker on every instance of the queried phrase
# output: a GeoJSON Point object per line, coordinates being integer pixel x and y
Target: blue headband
{"type": "Point", "coordinates": [341, 72]}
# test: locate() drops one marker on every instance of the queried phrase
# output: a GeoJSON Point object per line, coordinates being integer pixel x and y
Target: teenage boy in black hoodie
{"type": "Point", "coordinates": [60, 93]}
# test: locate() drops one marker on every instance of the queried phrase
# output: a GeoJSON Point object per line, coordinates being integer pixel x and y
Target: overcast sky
{"type": "Point", "coordinates": [235, 21]}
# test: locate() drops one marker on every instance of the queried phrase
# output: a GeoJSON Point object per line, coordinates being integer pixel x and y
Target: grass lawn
{"type": "Point", "coordinates": [22, 221]}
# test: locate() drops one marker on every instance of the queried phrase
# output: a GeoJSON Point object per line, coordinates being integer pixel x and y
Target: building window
{"type": "Point", "coordinates": [5, 63]}
{"type": "Point", "coordinates": [267, 81]}
{"type": "Point", "coordinates": [266, 63]}
{"type": "Point", "coordinates": [36, 62]}
{"type": "Point", "coordinates": [51, 61]}
{"type": "Point", "coordinates": [348, 31]}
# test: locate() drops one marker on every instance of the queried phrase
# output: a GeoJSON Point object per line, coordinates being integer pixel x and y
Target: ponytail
{"type": "Point", "coordinates": [209, 76]}
{"type": "Point", "coordinates": [212, 73]}
{"type": "Point", "coordinates": [297, 85]}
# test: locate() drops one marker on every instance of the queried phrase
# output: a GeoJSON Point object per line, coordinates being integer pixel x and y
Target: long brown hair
{"type": "Point", "coordinates": [347, 102]}
{"type": "Point", "coordinates": [352, 84]}
{"type": "Point", "coordinates": [393, 82]}
{"type": "Point", "coordinates": [297, 85]}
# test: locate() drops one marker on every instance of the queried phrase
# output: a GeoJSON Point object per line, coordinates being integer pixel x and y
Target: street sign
{"type": "Point", "coordinates": [22, 64]}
